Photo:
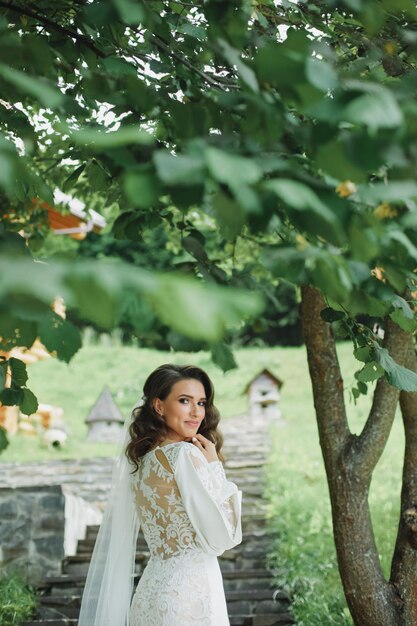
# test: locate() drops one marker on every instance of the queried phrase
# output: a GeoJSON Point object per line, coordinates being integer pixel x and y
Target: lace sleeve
{"type": "Point", "coordinates": [212, 502]}
{"type": "Point", "coordinates": [224, 491]}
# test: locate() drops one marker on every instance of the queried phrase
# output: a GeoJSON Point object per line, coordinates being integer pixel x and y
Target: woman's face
{"type": "Point", "coordinates": [183, 409]}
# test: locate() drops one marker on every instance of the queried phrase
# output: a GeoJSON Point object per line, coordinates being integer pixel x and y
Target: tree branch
{"type": "Point", "coordinates": [83, 39]}
{"type": "Point", "coordinates": [325, 376]}
{"type": "Point", "coordinates": [167, 50]}
{"type": "Point", "coordinates": [366, 449]}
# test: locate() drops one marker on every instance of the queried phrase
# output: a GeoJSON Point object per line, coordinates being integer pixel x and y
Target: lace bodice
{"type": "Point", "coordinates": [185, 503]}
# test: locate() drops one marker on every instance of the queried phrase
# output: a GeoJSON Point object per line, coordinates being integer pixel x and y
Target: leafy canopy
{"type": "Point", "coordinates": [272, 141]}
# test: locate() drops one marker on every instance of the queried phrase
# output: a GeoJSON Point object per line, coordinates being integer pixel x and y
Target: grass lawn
{"type": "Point", "coordinates": [300, 513]}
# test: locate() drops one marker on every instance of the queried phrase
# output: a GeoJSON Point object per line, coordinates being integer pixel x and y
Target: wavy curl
{"type": "Point", "coordinates": [148, 428]}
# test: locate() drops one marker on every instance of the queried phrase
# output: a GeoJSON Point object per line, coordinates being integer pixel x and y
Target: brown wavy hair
{"type": "Point", "coordinates": [148, 428]}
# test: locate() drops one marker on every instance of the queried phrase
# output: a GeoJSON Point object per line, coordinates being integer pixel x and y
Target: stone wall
{"type": "Point", "coordinates": [32, 530]}
{"type": "Point", "coordinates": [39, 525]}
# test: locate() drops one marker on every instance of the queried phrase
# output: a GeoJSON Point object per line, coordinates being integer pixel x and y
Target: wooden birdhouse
{"type": "Point", "coordinates": [105, 421]}
{"type": "Point", "coordinates": [263, 393]}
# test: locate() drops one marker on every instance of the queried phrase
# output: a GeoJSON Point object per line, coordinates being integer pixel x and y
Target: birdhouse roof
{"type": "Point", "coordinates": [264, 372]}
{"type": "Point", "coordinates": [105, 409]}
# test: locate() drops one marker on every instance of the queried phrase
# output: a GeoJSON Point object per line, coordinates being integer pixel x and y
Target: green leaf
{"type": "Point", "coordinates": [397, 6]}
{"type": "Point", "coordinates": [179, 170]}
{"type": "Point", "coordinates": [97, 177]}
{"type": "Point", "coordinates": [3, 373]}
{"type": "Point", "coordinates": [230, 215]}
{"type": "Point", "coordinates": [401, 239]}
{"type": "Point", "coordinates": [100, 139]}
{"type": "Point", "coordinates": [195, 248]}
{"type": "Point", "coordinates": [362, 303]}
{"type": "Point", "coordinates": [16, 331]}
{"type": "Point", "coordinates": [286, 262]}
{"type": "Point", "coordinates": [363, 387]}
{"type": "Point", "coordinates": [404, 322]}
{"type": "Point", "coordinates": [245, 72]}
{"type": "Point", "coordinates": [18, 372]}
{"type": "Point", "coordinates": [96, 290]}
{"type": "Point", "coordinates": [11, 397]}
{"type": "Point", "coordinates": [29, 404]}
{"type": "Point", "coordinates": [364, 241]}
{"type": "Point", "coordinates": [316, 216]}
{"type": "Point", "coordinates": [131, 11]}
{"type": "Point", "coordinates": [69, 183]}
{"type": "Point", "coordinates": [60, 336]}
{"type": "Point", "coordinates": [376, 108]}
{"type": "Point", "coordinates": [370, 372]}
{"type": "Point", "coordinates": [396, 191]}
{"type": "Point", "coordinates": [201, 311]}
{"type": "Point", "coordinates": [300, 197]}
{"type": "Point", "coordinates": [192, 30]}
{"type": "Point", "coordinates": [4, 442]}
{"type": "Point", "coordinates": [331, 275]}
{"type": "Point", "coordinates": [331, 315]}
{"type": "Point", "coordinates": [141, 188]}
{"type": "Point", "coordinates": [283, 64]}
{"type": "Point", "coordinates": [399, 303]}
{"type": "Point", "coordinates": [232, 169]}
{"type": "Point", "coordinates": [395, 277]}
{"type": "Point", "coordinates": [222, 356]}
{"type": "Point", "coordinates": [332, 158]}
{"type": "Point", "coordinates": [363, 353]}
{"type": "Point", "coordinates": [39, 88]}
{"type": "Point", "coordinates": [397, 375]}
{"type": "Point", "coordinates": [321, 74]}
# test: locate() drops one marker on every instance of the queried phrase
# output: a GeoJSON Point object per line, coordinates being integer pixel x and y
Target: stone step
{"type": "Point", "coordinates": [251, 594]}
{"type": "Point", "coordinates": [86, 546]}
{"type": "Point", "coordinates": [250, 517]}
{"type": "Point", "coordinates": [249, 557]}
{"type": "Point", "coordinates": [238, 601]}
{"type": "Point", "coordinates": [259, 619]}
{"type": "Point", "coordinates": [233, 579]}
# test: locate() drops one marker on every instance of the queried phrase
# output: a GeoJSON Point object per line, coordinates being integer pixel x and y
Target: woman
{"type": "Point", "coordinates": [188, 511]}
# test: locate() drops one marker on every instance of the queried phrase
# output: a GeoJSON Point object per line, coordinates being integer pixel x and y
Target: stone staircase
{"type": "Point", "coordinates": [251, 595]}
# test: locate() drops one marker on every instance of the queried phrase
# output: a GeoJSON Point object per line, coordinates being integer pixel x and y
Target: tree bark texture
{"type": "Point", "coordinates": [349, 461]}
{"type": "Point", "coordinates": [404, 562]}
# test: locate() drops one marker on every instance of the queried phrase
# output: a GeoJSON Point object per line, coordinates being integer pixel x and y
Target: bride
{"type": "Point", "coordinates": [169, 480]}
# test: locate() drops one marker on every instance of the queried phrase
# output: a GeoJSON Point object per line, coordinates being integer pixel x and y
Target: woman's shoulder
{"type": "Point", "coordinates": [181, 448]}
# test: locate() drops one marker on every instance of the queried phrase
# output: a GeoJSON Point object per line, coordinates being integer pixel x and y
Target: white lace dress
{"type": "Point", "coordinates": [189, 514]}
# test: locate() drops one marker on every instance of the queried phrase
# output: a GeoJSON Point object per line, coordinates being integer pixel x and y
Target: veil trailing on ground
{"type": "Point", "coordinates": [109, 585]}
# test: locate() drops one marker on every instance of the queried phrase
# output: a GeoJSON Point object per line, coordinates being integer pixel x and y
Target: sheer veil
{"type": "Point", "coordinates": [109, 585]}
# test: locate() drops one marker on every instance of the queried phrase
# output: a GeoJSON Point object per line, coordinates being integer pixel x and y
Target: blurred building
{"type": "Point", "coordinates": [263, 393]}
{"type": "Point", "coordinates": [105, 421]}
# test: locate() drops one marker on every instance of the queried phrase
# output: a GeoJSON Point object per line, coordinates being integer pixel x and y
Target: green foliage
{"type": "Point", "coordinates": [16, 392]}
{"type": "Point", "coordinates": [4, 442]}
{"type": "Point", "coordinates": [221, 130]}
{"type": "Point", "coordinates": [18, 601]}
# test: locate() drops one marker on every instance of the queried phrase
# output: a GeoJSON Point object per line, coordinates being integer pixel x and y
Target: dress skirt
{"type": "Point", "coordinates": [182, 590]}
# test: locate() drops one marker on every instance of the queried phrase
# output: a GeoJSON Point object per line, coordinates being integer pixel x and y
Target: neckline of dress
{"type": "Point", "coordinates": [166, 445]}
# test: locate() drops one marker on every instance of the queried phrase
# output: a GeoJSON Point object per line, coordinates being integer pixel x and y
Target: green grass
{"type": "Point", "coordinates": [300, 511]}
{"type": "Point", "coordinates": [75, 387]}
{"type": "Point", "coordinates": [17, 600]}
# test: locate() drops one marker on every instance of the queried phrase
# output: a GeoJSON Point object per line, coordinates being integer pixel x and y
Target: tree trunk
{"type": "Point", "coordinates": [404, 562]}
{"type": "Point", "coordinates": [349, 461]}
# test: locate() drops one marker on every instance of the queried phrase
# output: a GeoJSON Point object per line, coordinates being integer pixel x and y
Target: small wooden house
{"type": "Point", "coordinates": [105, 421]}
{"type": "Point", "coordinates": [263, 393]}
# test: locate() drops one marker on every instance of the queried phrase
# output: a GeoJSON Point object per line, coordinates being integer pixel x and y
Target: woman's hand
{"type": "Point", "coordinates": [206, 446]}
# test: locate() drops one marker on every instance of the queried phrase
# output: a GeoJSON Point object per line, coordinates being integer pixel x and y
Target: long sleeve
{"type": "Point", "coordinates": [213, 503]}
